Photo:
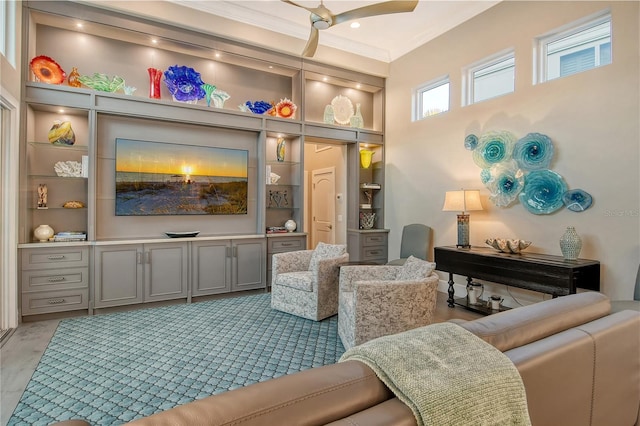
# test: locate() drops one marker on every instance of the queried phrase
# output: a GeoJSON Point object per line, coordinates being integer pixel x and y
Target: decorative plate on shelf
{"type": "Point", "coordinates": [47, 70]}
{"type": "Point", "coordinates": [342, 109]}
{"type": "Point", "coordinates": [185, 234]}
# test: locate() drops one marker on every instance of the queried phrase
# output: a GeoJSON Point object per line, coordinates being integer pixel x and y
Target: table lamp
{"type": "Point", "coordinates": [462, 201]}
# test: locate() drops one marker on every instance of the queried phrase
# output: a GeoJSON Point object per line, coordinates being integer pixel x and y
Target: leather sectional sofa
{"type": "Point", "coordinates": [580, 365]}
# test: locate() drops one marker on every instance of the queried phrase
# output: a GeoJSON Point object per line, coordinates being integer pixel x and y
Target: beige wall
{"type": "Point", "coordinates": [591, 117]}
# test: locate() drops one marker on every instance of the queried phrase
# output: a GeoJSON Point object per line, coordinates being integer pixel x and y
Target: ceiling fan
{"type": "Point", "coordinates": [321, 18]}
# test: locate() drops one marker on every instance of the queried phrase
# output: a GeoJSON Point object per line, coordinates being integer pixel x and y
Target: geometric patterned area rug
{"type": "Point", "coordinates": [113, 368]}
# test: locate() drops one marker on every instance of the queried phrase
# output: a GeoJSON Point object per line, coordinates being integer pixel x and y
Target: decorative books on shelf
{"type": "Point", "coordinates": [67, 236]}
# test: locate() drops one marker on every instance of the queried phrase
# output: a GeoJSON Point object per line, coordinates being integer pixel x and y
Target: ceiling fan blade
{"type": "Point", "coordinates": [312, 44]}
{"type": "Point", "coordinates": [383, 8]}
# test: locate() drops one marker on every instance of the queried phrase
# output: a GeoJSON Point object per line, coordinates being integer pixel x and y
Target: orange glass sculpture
{"type": "Point", "coordinates": [47, 70]}
{"type": "Point", "coordinates": [73, 78]}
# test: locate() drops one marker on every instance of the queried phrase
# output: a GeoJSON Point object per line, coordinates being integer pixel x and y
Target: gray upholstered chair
{"type": "Point", "coordinates": [634, 305]}
{"type": "Point", "coordinates": [415, 242]}
{"type": "Point", "coordinates": [305, 282]}
{"type": "Point", "coordinates": [378, 300]}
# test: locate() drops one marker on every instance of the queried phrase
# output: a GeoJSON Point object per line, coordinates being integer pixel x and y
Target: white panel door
{"type": "Point", "coordinates": [323, 206]}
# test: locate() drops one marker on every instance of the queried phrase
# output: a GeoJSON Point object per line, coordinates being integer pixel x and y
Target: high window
{"type": "Point", "coordinates": [580, 47]}
{"type": "Point", "coordinates": [7, 31]}
{"type": "Point", "coordinates": [431, 98]}
{"type": "Point", "coordinates": [490, 77]}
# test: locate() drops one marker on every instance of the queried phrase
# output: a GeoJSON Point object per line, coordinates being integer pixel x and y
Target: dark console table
{"type": "Point", "coordinates": [533, 271]}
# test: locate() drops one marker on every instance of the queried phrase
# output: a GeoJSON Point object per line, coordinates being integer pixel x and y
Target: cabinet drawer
{"type": "Point", "coordinates": [374, 240]}
{"type": "Point", "coordinates": [63, 257]}
{"type": "Point", "coordinates": [374, 253]}
{"type": "Point", "coordinates": [289, 244]}
{"type": "Point", "coordinates": [44, 302]}
{"type": "Point", "coordinates": [55, 279]}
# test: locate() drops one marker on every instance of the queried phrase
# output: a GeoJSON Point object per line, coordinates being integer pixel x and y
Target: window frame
{"type": "Point", "coordinates": [542, 42]}
{"type": "Point", "coordinates": [468, 79]}
{"type": "Point", "coordinates": [8, 31]}
{"type": "Point", "coordinates": [419, 112]}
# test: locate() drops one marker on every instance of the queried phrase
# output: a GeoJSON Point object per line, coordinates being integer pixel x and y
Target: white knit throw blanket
{"type": "Point", "coordinates": [447, 376]}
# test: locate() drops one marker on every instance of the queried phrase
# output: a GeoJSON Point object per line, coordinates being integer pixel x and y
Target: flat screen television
{"type": "Point", "coordinates": [157, 178]}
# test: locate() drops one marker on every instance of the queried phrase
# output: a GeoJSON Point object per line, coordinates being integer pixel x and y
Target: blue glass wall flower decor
{"type": "Point", "coordinates": [493, 147]}
{"type": "Point", "coordinates": [184, 83]}
{"type": "Point", "coordinates": [533, 152]}
{"type": "Point", "coordinates": [471, 142]}
{"type": "Point", "coordinates": [543, 191]}
{"type": "Point", "coordinates": [577, 200]}
{"type": "Point", "coordinates": [505, 183]}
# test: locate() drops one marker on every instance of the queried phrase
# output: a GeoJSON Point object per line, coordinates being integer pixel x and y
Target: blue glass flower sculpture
{"type": "Point", "coordinates": [184, 83]}
{"type": "Point", "coordinates": [577, 200]}
{"type": "Point", "coordinates": [505, 183]}
{"type": "Point", "coordinates": [493, 147]}
{"type": "Point", "coordinates": [543, 191]}
{"type": "Point", "coordinates": [533, 152]}
{"type": "Point", "coordinates": [471, 142]}
{"type": "Point", "coordinates": [258, 107]}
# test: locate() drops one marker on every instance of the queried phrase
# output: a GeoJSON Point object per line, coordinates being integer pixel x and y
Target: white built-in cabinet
{"type": "Point", "coordinates": [129, 260]}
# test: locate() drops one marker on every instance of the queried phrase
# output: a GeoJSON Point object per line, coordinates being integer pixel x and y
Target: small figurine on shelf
{"type": "Point", "coordinates": [42, 196]}
{"type": "Point", "coordinates": [155, 76]}
{"type": "Point", "coordinates": [328, 115]}
{"type": "Point", "coordinates": [73, 78]}
{"type": "Point", "coordinates": [281, 149]}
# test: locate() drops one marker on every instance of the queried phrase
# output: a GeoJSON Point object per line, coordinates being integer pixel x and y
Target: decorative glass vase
{"type": "Point", "coordinates": [357, 121]}
{"type": "Point", "coordinates": [73, 78]}
{"type": "Point", "coordinates": [328, 115]}
{"type": "Point", "coordinates": [281, 149]}
{"type": "Point", "coordinates": [367, 219]}
{"type": "Point", "coordinates": [155, 75]}
{"type": "Point", "coordinates": [366, 156]}
{"type": "Point", "coordinates": [43, 233]}
{"type": "Point", "coordinates": [570, 244]}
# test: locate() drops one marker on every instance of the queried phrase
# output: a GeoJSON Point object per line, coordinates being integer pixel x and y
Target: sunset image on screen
{"type": "Point", "coordinates": [154, 178]}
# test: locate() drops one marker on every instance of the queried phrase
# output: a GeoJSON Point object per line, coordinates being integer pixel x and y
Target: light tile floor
{"type": "Point", "coordinates": [21, 352]}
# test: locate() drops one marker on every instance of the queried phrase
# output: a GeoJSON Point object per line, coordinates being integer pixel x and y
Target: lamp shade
{"type": "Point", "coordinates": [462, 200]}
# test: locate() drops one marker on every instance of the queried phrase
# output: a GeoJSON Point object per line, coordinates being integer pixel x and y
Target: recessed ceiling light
{"type": "Point", "coordinates": [217, 55]}
{"type": "Point", "coordinates": [79, 25]}
{"type": "Point", "coordinates": [270, 67]}
{"type": "Point", "coordinates": [358, 86]}
{"type": "Point", "coordinates": [325, 79]}
{"type": "Point", "coordinates": [61, 111]}
{"type": "Point", "coordinates": [154, 40]}
{"type": "Point", "coordinates": [355, 24]}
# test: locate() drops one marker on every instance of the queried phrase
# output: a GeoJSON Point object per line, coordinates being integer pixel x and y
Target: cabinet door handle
{"type": "Point", "coordinates": [147, 257]}
{"type": "Point", "coordinates": [139, 258]}
{"type": "Point", "coordinates": [56, 301]}
{"type": "Point", "coordinates": [227, 251]}
{"type": "Point", "coordinates": [56, 257]}
{"type": "Point", "coordinates": [374, 252]}
{"type": "Point", "coordinates": [55, 279]}
{"type": "Point", "coordinates": [376, 239]}
{"type": "Point", "coordinates": [287, 244]}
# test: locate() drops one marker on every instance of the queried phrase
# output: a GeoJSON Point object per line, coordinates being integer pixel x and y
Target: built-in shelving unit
{"type": "Point", "coordinates": [98, 118]}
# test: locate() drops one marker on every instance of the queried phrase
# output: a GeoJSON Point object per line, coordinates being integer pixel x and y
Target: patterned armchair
{"type": "Point", "coordinates": [376, 301]}
{"type": "Point", "coordinates": [305, 282]}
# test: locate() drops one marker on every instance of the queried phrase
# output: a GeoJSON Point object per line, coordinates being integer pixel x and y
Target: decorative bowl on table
{"type": "Point", "coordinates": [505, 245]}
{"type": "Point", "coordinates": [102, 82]}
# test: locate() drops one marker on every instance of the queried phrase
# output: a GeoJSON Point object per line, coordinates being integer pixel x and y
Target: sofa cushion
{"type": "Point", "coordinates": [325, 251]}
{"type": "Point", "coordinates": [299, 280]}
{"type": "Point", "coordinates": [415, 269]}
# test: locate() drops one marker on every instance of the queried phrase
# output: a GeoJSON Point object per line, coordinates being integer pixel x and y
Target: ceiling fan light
{"type": "Point", "coordinates": [320, 24]}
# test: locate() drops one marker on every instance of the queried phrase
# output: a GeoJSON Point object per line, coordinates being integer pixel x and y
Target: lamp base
{"type": "Point", "coordinates": [463, 231]}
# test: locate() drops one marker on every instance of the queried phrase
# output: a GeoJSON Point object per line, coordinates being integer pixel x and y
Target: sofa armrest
{"type": "Point", "coordinates": [351, 273]}
{"type": "Point", "coordinates": [291, 261]}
